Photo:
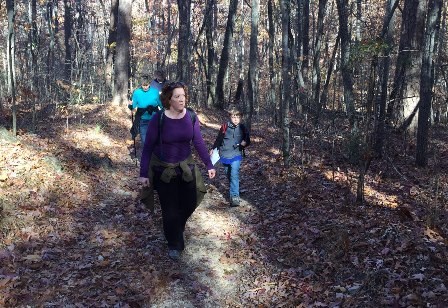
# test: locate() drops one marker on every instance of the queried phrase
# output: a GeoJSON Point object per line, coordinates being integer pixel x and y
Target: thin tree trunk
{"type": "Point", "coordinates": [387, 32]}
{"type": "Point", "coordinates": [345, 58]}
{"type": "Point", "coordinates": [122, 57]}
{"type": "Point", "coordinates": [184, 45]}
{"type": "Point", "coordinates": [306, 33]}
{"type": "Point", "coordinates": [225, 53]}
{"type": "Point", "coordinates": [51, 31]}
{"type": "Point", "coordinates": [111, 44]}
{"type": "Point", "coordinates": [324, 96]}
{"type": "Point", "coordinates": [316, 59]}
{"type": "Point", "coordinates": [299, 47]}
{"type": "Point", "coordinates": [33, 43]}
{"type": "Point", "coordinates": [427, 80]}
{"type": "Point", "coordinates": [253, 62]}
{"type": "Point", "coordinates": [10, 10]}
{"type": "Point", "coordinates": [285, 7]}
{"type": "Point", "coordinates": [272, 73]}
{"type": "Point", "coordinates": [68, 22]}
{"type": "Point", "coordinates": [211, 65]}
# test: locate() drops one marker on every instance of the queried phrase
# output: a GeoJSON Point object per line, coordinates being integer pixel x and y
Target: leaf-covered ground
{"type": "Point", "coordinates": [74, 235]}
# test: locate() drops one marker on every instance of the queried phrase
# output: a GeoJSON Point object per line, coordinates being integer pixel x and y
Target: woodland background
{"type": "Point", "coordinates": [348, 105]}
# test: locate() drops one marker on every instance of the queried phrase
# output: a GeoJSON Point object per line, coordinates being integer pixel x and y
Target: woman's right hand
{"type": "Point", "coordinates": [144, 181]}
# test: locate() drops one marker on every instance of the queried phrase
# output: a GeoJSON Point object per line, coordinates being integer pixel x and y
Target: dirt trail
{"type": "Point", "coordinates": [90, 243]}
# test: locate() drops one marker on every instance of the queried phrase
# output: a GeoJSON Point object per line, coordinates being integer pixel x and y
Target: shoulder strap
{"type": "Point", "coordinates": [193, 117]}
{"type": "Point", "coordinates": [224, 127]}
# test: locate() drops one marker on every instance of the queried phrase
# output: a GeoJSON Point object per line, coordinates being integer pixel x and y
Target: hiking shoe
{"type": "Point", "coordinates": [235, 201]}
{"type": "Point", "coordinates": [174, 254]}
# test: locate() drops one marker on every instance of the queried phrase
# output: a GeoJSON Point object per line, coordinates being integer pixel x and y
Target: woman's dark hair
{"type": "Point", "coordinates": [167, 92]}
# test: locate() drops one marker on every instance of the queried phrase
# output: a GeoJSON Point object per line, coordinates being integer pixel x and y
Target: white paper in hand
{"type": "Point", "coordinates": [215, 156]}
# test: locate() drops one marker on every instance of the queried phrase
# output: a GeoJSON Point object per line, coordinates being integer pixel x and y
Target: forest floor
{"type": "Point", "coordinates": [73, 234]}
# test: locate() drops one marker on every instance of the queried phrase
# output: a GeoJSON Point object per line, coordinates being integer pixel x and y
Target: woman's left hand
{"type": "Point", "coordinates": [211, 173]}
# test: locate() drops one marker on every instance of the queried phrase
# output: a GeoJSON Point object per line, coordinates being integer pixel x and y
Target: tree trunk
{"type": "Point", "coordinates": [316, 59]}
{"type": "Point", "coordinates": [345, 58]}
{"type": "Point", "coordinates": [225, 53]}
{"type": "Point", "coordinates": [384, 68]}
{"type": "Point", "coordinates": [10, 10]}
{"type": "Point", "coordinates": [299, 61]}
{"type": "Point", "coordinates": [51, 33]}
{"type": "Point", "coordinates": [184, 45]}
{"type": "Point", "coordinates": [211, 65]}
{"type": "Point", "coordinates": [68, 22]}
{"type": "Point", "coordinates": [33, 43]}
{"type": "Point", "coordinates": [111, 44]}
{"type": "Point", "coordinates": [306, 33]}
{"type": "Point", "coordinates": [404, 93]}
{"type": "Point", "coordinates": [272, 73]}
{"type": "Point", "coordinates": [285, 7]}
{"type": "Point", "coordinates": [427, 80]}
{"type": "Point", "coordinates": [324, 96]}
{"type": "Point", "coordinates": [253, 62]}
{"type": "Point", "coordinates": [122, 56]}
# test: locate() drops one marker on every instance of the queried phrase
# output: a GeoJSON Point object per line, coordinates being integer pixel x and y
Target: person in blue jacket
{"type": "Point", "coordinates": [146, 99]}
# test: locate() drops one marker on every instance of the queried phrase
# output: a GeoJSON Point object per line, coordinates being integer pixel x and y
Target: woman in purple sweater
{"type": "Point", "coordinates": [167, 164]}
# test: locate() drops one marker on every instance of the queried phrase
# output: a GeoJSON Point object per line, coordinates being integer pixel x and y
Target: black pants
{"type": "Point", "coordinates": [178, 202]}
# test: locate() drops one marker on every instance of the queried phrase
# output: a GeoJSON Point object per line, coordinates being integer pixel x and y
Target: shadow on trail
{"type": "Point", "coordinates": [297, 238]}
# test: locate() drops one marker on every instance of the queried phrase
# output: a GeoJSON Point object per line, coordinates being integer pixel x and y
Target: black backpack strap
{"type": "Point", "coordinates": [193, 117]}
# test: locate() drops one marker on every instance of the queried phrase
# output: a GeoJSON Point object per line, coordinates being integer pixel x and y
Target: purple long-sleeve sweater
{"type": "Point", "coordinates": [176, 137]}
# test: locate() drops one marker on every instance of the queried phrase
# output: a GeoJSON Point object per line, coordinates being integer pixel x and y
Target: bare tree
{"type": "Point", "coordinates": [285, 9]}
{"type": "Point", "coordinates": [272, 72]}
{"type": "Point", "coordinates": [253, 62]}
{"type": "Point", "coordinates": [404, 93]}
{"type": "Point", "coordinates": [306, 32]}
{"type": "Point", "coordinates": [184, 45]}
{"type": "Point", "coordinates": [225, 53]}
{"type": "Point", "coordinates": [317, 107]}
{"type": "Point", "coordinates": [122, 53]}
{"type": "Point", "coordinates": [68, 23]}
{"type": "Point", "coordinates": [384, 68]}
{"type": "Point", "coordinates": [345, 58]}
{"type": "Point", "coordinates": [33, 47]}
{"type": "Point", "coordinates": [111, 43]}
{"type": "Point", "coordinates": [10, 10]}
{"type": "Point", "coordinates": [427, 80]}
{"type": "Point", "coordinates": [211, 64]}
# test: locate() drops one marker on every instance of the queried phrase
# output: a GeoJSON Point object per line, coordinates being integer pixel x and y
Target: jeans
{"type": "Point", "coordinates": [143, 129]}
{"type": "Point", "coordinates": [233, 174]}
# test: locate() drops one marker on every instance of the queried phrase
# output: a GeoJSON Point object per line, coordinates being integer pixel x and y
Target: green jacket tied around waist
{"type": "Point", "coordinates": [169, 172]}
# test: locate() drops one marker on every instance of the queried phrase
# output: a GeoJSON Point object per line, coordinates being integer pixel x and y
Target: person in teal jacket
{"type": "Point", "coordinates": [146, 99]}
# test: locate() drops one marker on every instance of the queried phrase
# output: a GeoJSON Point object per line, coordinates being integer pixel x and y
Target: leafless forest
{"type": "Point", "coordinates": [346, 186]}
